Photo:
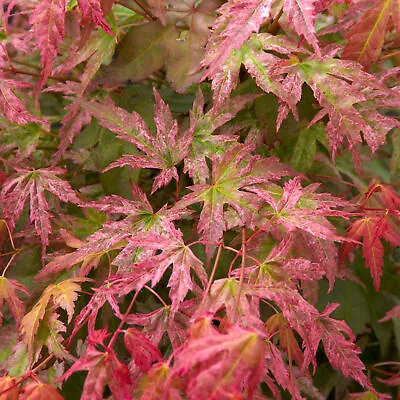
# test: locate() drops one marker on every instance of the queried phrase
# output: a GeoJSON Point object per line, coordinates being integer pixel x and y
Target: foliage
{"type": "Point", "coordinates": [199, 199]}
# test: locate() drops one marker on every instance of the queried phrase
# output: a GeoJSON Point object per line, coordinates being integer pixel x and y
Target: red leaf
{"type": "Point", "coordinates": [215, 363]}
{"type": "Point", "coordinates": [104, 369]}
{"type": "Point", "coordinates": [162, 151]}
{"type": "Point", "coordinates": [372, 229]}
{"type": "Point", "coordinates": [174, 252]}
{"type": "Point", "coordinates": [237, 21]}
{"type": "Point", "coordinates": [144, 352]}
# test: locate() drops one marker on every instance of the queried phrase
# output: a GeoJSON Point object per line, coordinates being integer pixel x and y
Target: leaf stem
{"type": "Point", "coordinates": [210, 280]}
{"type": "Point", "coordinates": [121, 324]}
{"type": "Point", "coordinates": [151, 290]}
{"type": "Point", "coordinates": [241, 279]}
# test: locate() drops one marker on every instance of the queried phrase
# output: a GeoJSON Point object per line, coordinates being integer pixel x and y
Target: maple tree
{"type": "Point", "coordinates": [199, 199]}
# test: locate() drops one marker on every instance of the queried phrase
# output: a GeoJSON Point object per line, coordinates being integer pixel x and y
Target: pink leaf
{"type": "Point", "coordinates": [47, 22]}
{"type": "Point", "coordinates": [92, 9]}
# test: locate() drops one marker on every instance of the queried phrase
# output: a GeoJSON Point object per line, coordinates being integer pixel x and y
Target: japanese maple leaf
{"type": "Point", "coordinates": [33, 184]}
{"type": "Point", "coordinates": [114, 235]}
{"type": "Point", "coordinates": [330, 79]}
{"type": "Point", "coordinates": [279, 267]}
{"type": "Point", "coordinates": [230, 174]}
{"type": "Point", "coordinates": [214, 364]}
{"type": "Point", "coordinates": [8, 293]}
{"type": "Point", "coordinates": [366, 37]}
{"type": "Point", "coordinates": [341, 352]}
{"type": "Point", "coordinates": [162, 151]}
{"type": "Point", "coordinates": [142, 350]}
{"type": "Point", "coordinates": [11, 106]}
{"type": "Point", "coordinates": [371, 228]}
{"type": "Point", "coordinates": [47, 20]}
{"type": "Point", "coordinates": [64, 295]}
{"type": "Point", "coordinates": [104, 369]}
{"type": "Point", "coordinates": [40, 391]}
{"type": "Point", "coordinates": [287, 340]}
{"type": "Point", "coordinates": [92, 9]}
{"type": "Point", "coordinates": [302, 208]}
{"type": "Point", "coordinates": [301, 14]}
{"type": "Point", "coordinates": [90, 311]}
{"type": "Point", "coordinates": [232, 28]}
{"type": "Point", "coordinates": [173, 252]}
{"type": "Point", "coordinates": [206, 142]}
{"type": "Point", "coordinates": [72, 124]}
{"type": "Point", "coordinates": [161, 321]}
{"type": "Point", "coordinates": [111, 236]}
{"type": "Point", "coordinates": [313, 327]}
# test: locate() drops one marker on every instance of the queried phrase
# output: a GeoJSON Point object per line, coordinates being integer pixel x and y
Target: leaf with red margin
{"type": "Point", "coordinates": [8, 293]}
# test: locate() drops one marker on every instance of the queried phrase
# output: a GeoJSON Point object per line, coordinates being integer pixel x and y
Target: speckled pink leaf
{"type": "Point", "coordinates": [16, 190]}
{"type": "Point", "coordinates": [47, 22]}
{"type": "Point", "coordinates": [92, 9]}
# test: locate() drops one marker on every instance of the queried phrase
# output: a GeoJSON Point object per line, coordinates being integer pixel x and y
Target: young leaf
{"type": "Point", "coordinates": [64, 295]}
{"type": "Point", "coordinates": [8, 293]}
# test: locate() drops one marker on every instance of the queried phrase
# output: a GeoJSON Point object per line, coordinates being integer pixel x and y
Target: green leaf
{"type": "Point", "coordinates": [306, 145]}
